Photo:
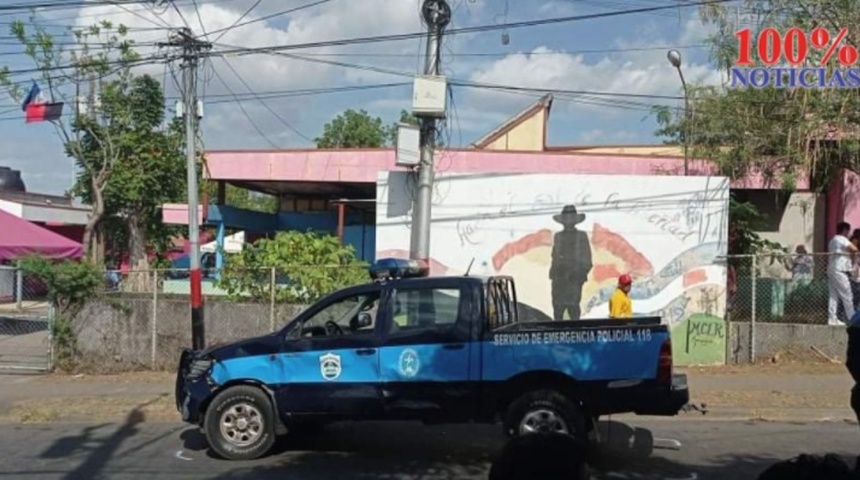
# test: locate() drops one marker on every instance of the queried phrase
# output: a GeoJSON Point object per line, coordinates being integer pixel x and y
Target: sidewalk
{"type": "Point", "coordinates": [767, 392]}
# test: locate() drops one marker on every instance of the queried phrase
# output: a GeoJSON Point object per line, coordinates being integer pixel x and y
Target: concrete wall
{"type": "Point", "coordinates": [787, 340]}
{"type": "Point", "coordinates": [120, 339]}
{"type": "Point", "coordinates": [798, 220]}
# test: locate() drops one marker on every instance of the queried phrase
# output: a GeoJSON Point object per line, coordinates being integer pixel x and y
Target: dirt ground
{"type": "Point", "coordinates": [768, 390]}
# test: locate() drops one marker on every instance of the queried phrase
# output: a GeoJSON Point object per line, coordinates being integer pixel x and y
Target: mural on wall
{"type": "Point", "coordinates": [566, 238]}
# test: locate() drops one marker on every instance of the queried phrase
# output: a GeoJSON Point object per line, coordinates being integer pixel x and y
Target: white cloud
{"type": "Point", "coordinates": [634, 72]}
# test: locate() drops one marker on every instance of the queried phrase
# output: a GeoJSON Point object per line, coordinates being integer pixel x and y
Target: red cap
{"type": "Point", "coordinates": [625, 280]}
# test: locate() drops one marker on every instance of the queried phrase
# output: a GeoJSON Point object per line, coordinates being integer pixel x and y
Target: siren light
{"type": "Point", "coordinates": [398, 268]}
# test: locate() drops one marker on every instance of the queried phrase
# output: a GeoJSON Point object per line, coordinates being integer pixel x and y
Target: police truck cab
{"type": "Point", "coordinates": [407, 346]}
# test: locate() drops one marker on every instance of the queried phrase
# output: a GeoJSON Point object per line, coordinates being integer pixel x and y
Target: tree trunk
{"type": "Point", "coordinates": [139, 278]}
{"type": "Point", "coordinates": [96, 213]}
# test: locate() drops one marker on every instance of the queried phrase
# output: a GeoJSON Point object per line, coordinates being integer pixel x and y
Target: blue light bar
{"type": "Point", "coordinates": [398, 268]}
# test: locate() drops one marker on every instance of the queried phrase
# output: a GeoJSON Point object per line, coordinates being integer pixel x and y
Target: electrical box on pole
{"type": "Point", "coordinates": [408, 146]}
{"type": "Point", "coordinates": [430, 96]}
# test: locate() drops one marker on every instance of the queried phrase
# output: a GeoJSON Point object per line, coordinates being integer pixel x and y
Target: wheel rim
{"type": "Point", "coordinates": [241, 424]}
{"type": "Point", "coordinates": [543, 420]}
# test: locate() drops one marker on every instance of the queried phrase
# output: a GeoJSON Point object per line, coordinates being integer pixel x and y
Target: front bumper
{"type": "Point", "coordinates": [190, 393]}
{"type": "Point", "coordinates": [665, 401]}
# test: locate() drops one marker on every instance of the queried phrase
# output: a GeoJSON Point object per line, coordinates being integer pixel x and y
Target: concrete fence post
{"type": "Point", "coordinates": [272, 283]}
{"type": "Point", "coordinates": [753, 301]}
{"type": "Point", "coordinates": [154, 320]}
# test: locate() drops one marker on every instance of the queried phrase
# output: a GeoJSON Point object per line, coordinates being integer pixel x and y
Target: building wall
{"type": "Point", "coordinates": [527, 136]}
{"type": "Point", "coordinates": [844, 202]}
{"type": "Point", "coordinates": [790, 219]}
{"type": "Point", "coordinates": [666, 232]}
{"type": "Point", "coordinates": [644, 150]}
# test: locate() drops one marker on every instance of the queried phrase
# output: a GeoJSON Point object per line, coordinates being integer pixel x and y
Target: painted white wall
{"type": "Point", "coordinates": [476, 215]}
{"type": "Point", "coordinates": [12, 207]}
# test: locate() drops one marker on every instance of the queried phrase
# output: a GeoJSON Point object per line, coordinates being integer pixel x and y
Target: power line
{"type": "Point", "coordinates": [505, 54]}
{"type": "Point", "coordinates": [249, 10]}
{"type": "Point", "coordinates": [266, 105]}
{"type": "Point", "coordinates": [266, 17]}
{"type": "Point", "coordinates": [463, 30]}
{"type": "Point", "coordinates": [245, 112]}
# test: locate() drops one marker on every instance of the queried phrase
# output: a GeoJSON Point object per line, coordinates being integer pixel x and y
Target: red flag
{"type": "Point", "coordinates": [44, 112]}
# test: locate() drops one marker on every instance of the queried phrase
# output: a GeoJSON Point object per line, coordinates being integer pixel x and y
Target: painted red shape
{"type": "Point", "coordinates": [694, 277]}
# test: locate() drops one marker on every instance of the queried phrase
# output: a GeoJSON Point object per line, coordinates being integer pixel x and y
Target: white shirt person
{"type": "Point", "coordinates": [839, 269]}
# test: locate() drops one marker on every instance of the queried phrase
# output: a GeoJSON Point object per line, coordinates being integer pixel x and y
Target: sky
{"type": "Point", "coordinates": [623, 54]}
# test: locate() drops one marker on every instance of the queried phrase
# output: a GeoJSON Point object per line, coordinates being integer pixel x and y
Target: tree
{"type": "Point", "coordinates": [244, 198]}
{"type": "Point", "coordinates": [150, 168]}
{"type": "Point", "coordinates": [774, 132]}
{"type": "Point", "coordinates": [409, 119]}
{"type": "Point", "coordinates": [353, 129]}
{"type": "Point", "coordinates": [100, 51]}
{"type": "Point", "coordinates": [307, 266]}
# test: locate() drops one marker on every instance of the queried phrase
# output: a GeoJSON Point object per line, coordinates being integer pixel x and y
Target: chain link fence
{"type": "Point", "coordinates": [144, 320]}
{"type": "Point", "coordinates": [778, 306]}
{"type": "Point", "coordinates": [25, 333]}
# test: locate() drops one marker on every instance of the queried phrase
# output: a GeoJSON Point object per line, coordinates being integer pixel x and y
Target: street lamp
{"type": "Point", "coordinates": [674, 57]}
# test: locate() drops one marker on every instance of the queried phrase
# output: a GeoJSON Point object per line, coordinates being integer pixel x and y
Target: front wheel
{"type": "Point", "coordinates": [240, 423]}
{"type": "Point", "coordinates": [545, 411]}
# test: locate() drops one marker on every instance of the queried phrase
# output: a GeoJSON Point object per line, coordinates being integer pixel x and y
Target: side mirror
{"type": "Point", "coordinates": [364, 320]}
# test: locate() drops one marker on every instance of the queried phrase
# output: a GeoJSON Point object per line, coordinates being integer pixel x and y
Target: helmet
{"type": "Point", "coordinates": [625, 279]}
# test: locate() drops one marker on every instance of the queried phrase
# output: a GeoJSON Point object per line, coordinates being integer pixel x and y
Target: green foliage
{"type": "Point", "coordinates": [70, 286]}
{"type": "Point", "coordinates": [307, 267]}
{"type": "Point", "coordinates": [745, 222]}
{"type": "Point", "coordinates": [409, 119]}
{"type": "Point", "coordinates": [770, 131]}
{"type": "Point", "coordinates": [357, 129]}
{"type": "Point", "coordinates": [243, 198]}
{"type": "Point", "coordinates": [149, 169]}
{"type": "Point", "coordinates": [353, 129]}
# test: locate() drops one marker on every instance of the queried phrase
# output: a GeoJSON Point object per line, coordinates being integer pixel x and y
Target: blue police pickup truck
{"type": "Point", "coordinates": [434, 349]}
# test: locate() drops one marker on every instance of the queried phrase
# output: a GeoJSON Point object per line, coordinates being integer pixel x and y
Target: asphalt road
{"type": "Point", "coordinates": [140, 450]}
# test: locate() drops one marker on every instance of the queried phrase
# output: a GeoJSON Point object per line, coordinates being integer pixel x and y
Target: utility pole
{"type": "Point", "coordinates": [437, 15]}
{"type": "Point", "coordinates": [191, 50]}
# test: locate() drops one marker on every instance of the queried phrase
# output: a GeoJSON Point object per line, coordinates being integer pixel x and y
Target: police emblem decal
{"type": "Point", "coordinates": [409, 363]}
{"type": "Point", "coordinates": [330, 366]}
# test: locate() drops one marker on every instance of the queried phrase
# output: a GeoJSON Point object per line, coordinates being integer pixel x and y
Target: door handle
{"type": "Point", "coordinates": [453, 346]}
{"type": "Point", "coordinates": [365, 351]}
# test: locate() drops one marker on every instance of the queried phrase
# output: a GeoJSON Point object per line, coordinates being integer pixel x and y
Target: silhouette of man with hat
{"type": "Point", "coordinates": [571, 264]}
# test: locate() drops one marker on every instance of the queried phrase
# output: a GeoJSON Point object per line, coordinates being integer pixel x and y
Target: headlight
{"type": "Point", "coordinates": [198, 368]}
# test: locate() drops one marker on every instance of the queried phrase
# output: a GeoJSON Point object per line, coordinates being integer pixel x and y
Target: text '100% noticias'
{"type": "Point", "coordinates": [804, 59]}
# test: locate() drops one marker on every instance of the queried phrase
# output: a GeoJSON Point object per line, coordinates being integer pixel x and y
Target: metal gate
{"type": "Point", "coordinates": [25, 333]}
{"type": "Point", "coordinates": [25, 341]}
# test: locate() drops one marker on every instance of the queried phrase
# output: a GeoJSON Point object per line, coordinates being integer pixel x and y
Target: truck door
{"type": "Point", "coordinates": [425, 353]}
{"type": "Point", "coordinates": [331, 363]}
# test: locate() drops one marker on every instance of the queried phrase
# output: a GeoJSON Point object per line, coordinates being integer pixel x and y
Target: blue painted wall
{"type": "Point", "coordinates": [361, 236]}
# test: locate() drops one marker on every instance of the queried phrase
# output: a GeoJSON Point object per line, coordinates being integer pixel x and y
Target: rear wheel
{"type": "Point", "coordinates": [239, 424]}
{"type": "Point", "coordinates": [545, 411]}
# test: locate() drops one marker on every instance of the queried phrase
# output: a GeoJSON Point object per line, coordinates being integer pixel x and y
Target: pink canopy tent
{"type": "Point", "coordinates": [20, 238]}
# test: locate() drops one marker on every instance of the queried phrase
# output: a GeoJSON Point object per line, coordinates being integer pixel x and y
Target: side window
{"type": "Point", "coordinates": [425, 308]}
{"type": "Point", "coordinates": [353, 315]}
{"type": "Point", "coordinates": [500, 305]}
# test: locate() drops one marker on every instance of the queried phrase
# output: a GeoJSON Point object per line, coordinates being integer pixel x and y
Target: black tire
{"type": "Point", "coordinates": [246, 444]}
{"type": "Point", "coordinates": [532, 403]}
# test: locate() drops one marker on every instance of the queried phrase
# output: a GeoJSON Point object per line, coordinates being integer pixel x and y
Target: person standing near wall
{"type": "Point", "coordinates": [620, 305]}
{"type": "Point", "coordinates": [840, 252]}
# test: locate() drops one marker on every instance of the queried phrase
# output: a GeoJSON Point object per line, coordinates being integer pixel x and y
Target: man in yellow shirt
{"type": "Point", "coordinates": [620, 305]}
